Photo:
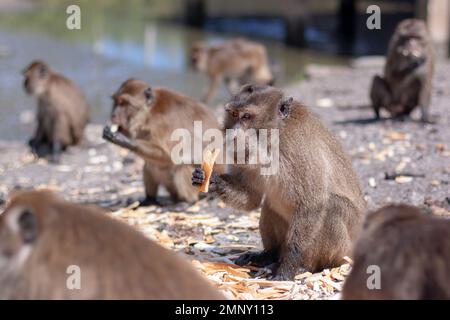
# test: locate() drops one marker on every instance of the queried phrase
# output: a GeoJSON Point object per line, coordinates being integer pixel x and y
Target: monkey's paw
{"type": "Point", "coordinates": [198, 177]}
{"type": "Point", "coordinates": [260, 259]}
{"type": "Point", "coordinates": [282, 277]}
{"type": "Point", "coordinates": [108, 135]}
{"type": "Point", "coordinates": [284, 273]}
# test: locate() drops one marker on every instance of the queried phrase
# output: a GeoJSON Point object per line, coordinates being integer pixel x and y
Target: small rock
{"type": "Point", "coordinates": [403, 179]}
{"type": "Point", "coordinates": [324, 103]}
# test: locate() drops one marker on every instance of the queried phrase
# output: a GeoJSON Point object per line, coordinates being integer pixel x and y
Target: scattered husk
{"type": "Point", "coordinates": [213, 244]}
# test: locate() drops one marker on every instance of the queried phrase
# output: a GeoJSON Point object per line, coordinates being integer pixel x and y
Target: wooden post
{"type": "Point", "coordinates": [195, 12]}
{"type": "Point", "coordinates": [295, 19]}
{"type": "Point", "coordinates": [437, 15]}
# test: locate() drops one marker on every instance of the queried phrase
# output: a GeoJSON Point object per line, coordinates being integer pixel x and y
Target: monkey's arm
{"type": "Point", "coordinates": [230, 188]}
{"type": "Point", "coordinates": [146, 149]}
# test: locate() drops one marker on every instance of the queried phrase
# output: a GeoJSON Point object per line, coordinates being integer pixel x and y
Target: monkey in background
{"type": "Point", "coordinates": [312, 208]}
{"type": "Point", "coordinates": [411, 250]}
{"type": "Point", "coordinates": [41, 236]}
{"type": "Point", "coordinates": [236, 61]}
{"type": "Point", "coordinates": [62, 113]}
{"type": "Point", "coordinates": [146, 118]}
{"type": "Point", "coordinates": [408, 73]}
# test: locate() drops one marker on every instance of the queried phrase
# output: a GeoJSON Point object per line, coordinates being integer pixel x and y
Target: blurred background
{"type": "Point", "coordinates": [150, 39]}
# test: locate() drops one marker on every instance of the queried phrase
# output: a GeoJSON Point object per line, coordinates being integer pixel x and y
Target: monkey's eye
{"type": "Point", "coordinates": [120, 102]}
{"type": "Point", "coordinates": [234, 114]}
{"type": "Point", "coordinates": [246, 116]}
{"type": "Point", "coordinates": [250, 89]}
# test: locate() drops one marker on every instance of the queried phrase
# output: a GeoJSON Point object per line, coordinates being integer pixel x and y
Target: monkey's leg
{"type": "Point", "coordinates": [61, 138]}
{"type": "Point", "coordinates": [379, 94]}
{"type": "Point", "coordinates": [273, 230]}
{"type": "Point", "coordinates": [232, 189]}
{"type": "Point", "coordinates": [300, 245]}
{"type": "Point", "coordinates": [213, 84]}
{"type": "Point", "coordinates": [38, 140]}
{"type": "Point", "coordinates": [56, 150]}
{"type": "Point", "coordinates": [425, 101]}
{"type": "Point", "coordinates": [150, 186]}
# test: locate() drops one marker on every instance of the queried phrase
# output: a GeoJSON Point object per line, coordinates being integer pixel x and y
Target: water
{"type": "Point", "coordinates": [113, 45]}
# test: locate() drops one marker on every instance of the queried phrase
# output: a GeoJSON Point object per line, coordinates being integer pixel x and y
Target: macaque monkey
{"type": "Point", "coordinates": [46, 242]}
{"type": "Point", "coordinates": [145, 118]}
{"type": "Point", "coordinates": [312, 208]}
{"type": "Point", "coordinates": [236, 61]}
{"type": "Point", "coordinates": [408, 72]}
{"type": "Point", "coordinates": [406, 252]}
{"type": "Point", "coordinates": [62, 113]}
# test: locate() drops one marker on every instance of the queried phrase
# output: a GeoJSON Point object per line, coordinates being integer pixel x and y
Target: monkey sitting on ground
{"type": "Point", "coordinates": [62, 113]}
{"type": "Point", "coordinates": [236, 61]}
{"type": "Point", "coordinates": [312, 208]}
{"type": "Point", "coordinates": [146, 118]}
{"type": "Point", "coordinates": [46, 243]}
{"type": "Point", "coordinates": [409, 249]}
{"type": "Point", "coordinates": [408, 72]}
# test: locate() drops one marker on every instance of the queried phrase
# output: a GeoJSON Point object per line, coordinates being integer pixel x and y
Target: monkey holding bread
{"type": "Point", "coordinates": [62, 114]}
{"type": "Point", "coordinates": [408, 73]}
{"type": "Point", "coordinates": [312, 208]}
{"type": "Point", "coordinates": [43, 236]}
{"type": "Point", "coordinates": [410, 251]}
{"type": "Point", "coordinates": [236, 61]}
{"type": "Point", "coordinates": [144, 119]}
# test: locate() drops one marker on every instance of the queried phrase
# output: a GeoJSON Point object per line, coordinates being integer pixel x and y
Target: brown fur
{"type": "Point", "coordinates": [236, 61]}
{"type": "Point", "coordinates": [412, 250]}
{"type": "Point", "coordinates": [147, 117]}
{"type": "Point", "coordinates": [312, 208]}
{"type": "Point", "coordinates": [116, 261]}
{"type": "Point", "coordinates": [62, 114]}
{"type": "Point", "coordinates": [408, 73]}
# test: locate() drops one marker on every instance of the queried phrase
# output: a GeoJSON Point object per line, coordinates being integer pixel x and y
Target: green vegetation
{"type": "Point", "coordinates": [49, 16]}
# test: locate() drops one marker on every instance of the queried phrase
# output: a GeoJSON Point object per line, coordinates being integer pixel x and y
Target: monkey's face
{"type": "Point", "coordinates": [18, 234]}
{"type": "Point", "coordinates": [36, 78]}
{"type": "Point", "coordinates": [251, 115]}
{"type": "Point", "coordinates": [132, 99]}
{"type": "Point", "coordinates": [411, 52]}
{"type": "Point", "coordinates": [257, 107]}
{"type": "Point", "coordinates": [199, 57]}
{"type": "Point", "coordinates": [410, 44]}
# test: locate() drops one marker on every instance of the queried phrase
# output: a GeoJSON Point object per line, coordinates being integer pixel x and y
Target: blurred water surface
{"type": "Point", "coordinates": [116, 42]}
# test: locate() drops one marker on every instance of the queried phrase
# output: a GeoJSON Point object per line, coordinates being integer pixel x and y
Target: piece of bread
{"type": "Point", "coordinates": [209, 157]}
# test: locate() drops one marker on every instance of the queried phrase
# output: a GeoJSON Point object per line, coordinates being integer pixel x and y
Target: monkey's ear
{"type": "Point", "coordinates": [148, 95]}
{"type": "Point", "coordinates": [285, 107]}
{"type": "Point", "coordinates": [28, 226]}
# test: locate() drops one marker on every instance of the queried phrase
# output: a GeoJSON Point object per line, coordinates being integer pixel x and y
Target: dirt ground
{"type": "Point", "coordinates": [396, 162]}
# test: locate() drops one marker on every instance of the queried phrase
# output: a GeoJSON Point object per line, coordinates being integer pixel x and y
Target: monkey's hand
{"type": "Point", "coordinates": [117, 138]}
{"type": "Point", "coordinates": [261, 258]}
{"type": "Point", "coordinates": [199, 176]}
